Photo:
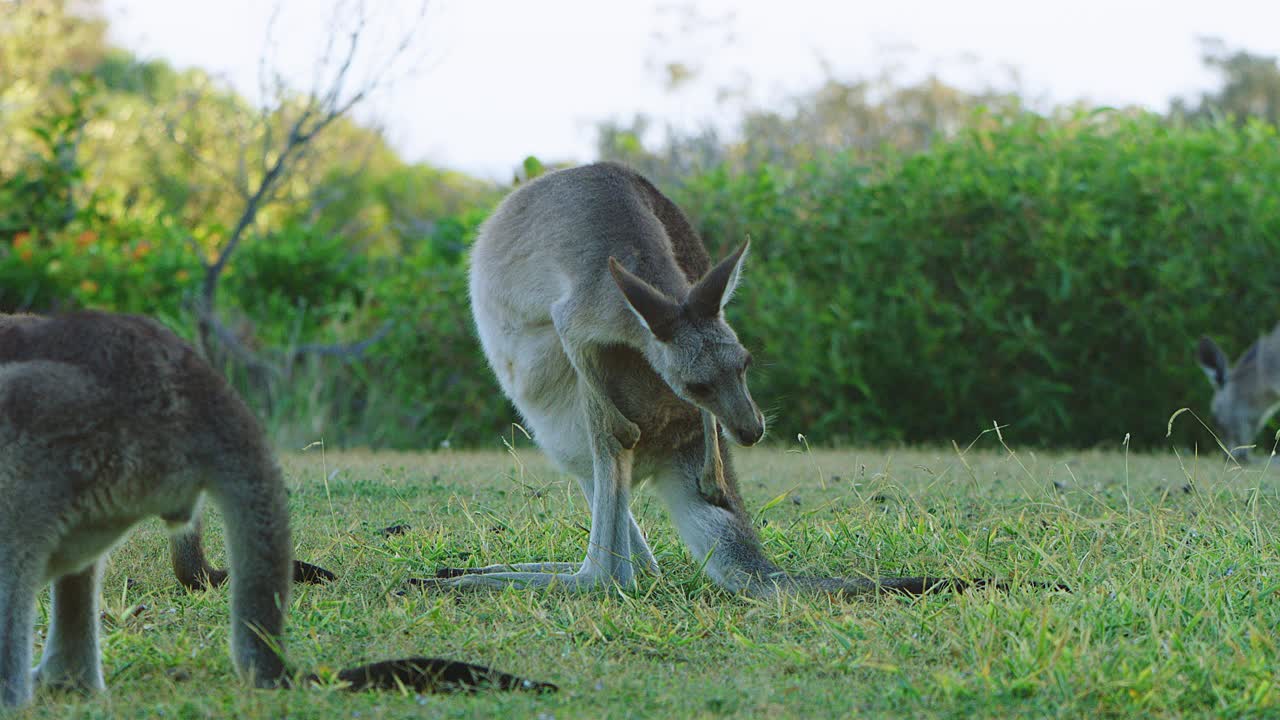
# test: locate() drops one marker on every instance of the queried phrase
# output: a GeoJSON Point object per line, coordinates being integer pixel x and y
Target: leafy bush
{"type": "Point", "coordinates": [1048, 274]}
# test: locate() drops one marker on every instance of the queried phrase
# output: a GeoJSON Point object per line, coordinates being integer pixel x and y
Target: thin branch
{"type": "Point", "coordinates": [342, 350]}
{"type": "Point", "coordinates": [228, 340]}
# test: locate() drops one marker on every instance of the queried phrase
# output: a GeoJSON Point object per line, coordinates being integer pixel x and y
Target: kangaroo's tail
{"type": "Point", "coordinates": [432, 675]}
{"type": "Point", "coordinates": [856, 587]}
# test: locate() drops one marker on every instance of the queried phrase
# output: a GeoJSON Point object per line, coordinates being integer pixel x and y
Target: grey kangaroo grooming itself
{"type": "Point", "coordinates": [106, 420]}
{"type": "Point", "coordinates": [601, 314]}
{"type": "Point", "coordinates": [1244, 396]}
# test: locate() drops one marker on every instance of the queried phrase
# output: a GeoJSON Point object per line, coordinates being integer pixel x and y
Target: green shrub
{"type": "Point", "coordinates": [1050, 275]}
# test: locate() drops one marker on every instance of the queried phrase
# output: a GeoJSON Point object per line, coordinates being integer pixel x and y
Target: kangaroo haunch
{"type": "Point", "coordinates": [107, 420]}
{"type": "Point", "coordinates": [601, 314]}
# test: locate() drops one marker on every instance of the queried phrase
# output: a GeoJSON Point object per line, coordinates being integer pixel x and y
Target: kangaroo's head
{"type": "Point", "coordinates": [697, 353]}
{"type": "Point", "coordinates": [1242, 398]}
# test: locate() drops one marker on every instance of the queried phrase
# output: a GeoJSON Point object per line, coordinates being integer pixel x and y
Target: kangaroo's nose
{"type": "Point", "coordinates": [751, 435]}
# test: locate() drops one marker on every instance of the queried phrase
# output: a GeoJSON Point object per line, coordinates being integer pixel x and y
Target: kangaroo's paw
{"type": "Point", "coordinates": [603, 415]}
{"type": "Point", "coordinates": [624, 431]}
{"type": "Point", "coordinates": [83, 681]}
{"type": "Point", "coordinates": [308, 574]}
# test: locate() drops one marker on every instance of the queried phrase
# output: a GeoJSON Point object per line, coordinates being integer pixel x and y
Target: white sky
{"type": "Point", "coordinates": [496, 80]}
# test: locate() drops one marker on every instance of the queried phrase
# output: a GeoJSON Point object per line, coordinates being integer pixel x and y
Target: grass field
{"type": "Point", "coordinates": [1174, 562]}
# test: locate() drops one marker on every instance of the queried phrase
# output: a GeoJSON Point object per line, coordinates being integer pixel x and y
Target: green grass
{"type": "Point", "coordinates": [1173, 561]}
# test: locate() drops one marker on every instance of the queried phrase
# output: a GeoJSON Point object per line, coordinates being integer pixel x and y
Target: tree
{"type": "Point", "coordinates": [865, 117]}
{"type": "Point", "coordinates": [1249, 86]}
{"type": "Point", "coordinates": [276, 144]}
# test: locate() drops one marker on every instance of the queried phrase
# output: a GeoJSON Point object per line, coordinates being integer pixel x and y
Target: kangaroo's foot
{"type": "Point", "coordinates": [537, 567]}
{"type": "Point", "coordinates": [572, 577]}
{"type": "Point", "coordinates": [308, 574]}
{"type": "Point", "coordinates": [78, 684]}
{"type": "Point", "coordinates": [304, 573]}
{"type": "Point", "coordinates": [569, 582]}
{"type": "Point", "coordinates": [203, 580]}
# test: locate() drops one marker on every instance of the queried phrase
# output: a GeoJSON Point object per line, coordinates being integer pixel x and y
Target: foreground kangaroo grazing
{"type": "Point", "coordinates": [600, 313]}
{"type": "Point", "coordinates": [107, 420]}
{"type": "Point", "coordinates": [1245, 396]}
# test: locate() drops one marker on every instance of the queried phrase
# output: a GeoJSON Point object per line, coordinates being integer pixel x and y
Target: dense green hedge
{"type": "Point", "coordinates": [1050, 275]}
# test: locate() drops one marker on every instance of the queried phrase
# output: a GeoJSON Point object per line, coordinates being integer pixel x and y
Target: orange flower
{"type": "Point", "coordinates": [88, 287]}
{"type": "Point", "coordinates": [182, 275]}
{"type": "Point", "coordinates": [141, 250]}
{"type": "Point", "coordinates": [21, 240]}
{"type": "Point", "coordinates": [86, 238]}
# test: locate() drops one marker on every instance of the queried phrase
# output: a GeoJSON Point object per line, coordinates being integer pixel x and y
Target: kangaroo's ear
{"type": "Point", "coordinates": [709, 296]}
{"type": "Point", "coordinates": [655, 310]}
{"type": "Point", "coordinates": [1213, 361]}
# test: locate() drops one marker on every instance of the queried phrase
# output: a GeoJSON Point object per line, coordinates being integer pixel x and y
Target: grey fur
{"type": "Point", "coordinates": [105, 421]}
{"type": "Point", "coordinates": [1244, 396]}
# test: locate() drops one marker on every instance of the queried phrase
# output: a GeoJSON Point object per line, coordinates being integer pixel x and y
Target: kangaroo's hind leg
{"type": "Point", "coordinates": [194, 572]}
{"type": "Point", "coordinates": [71, 658]}
{"type": "Point", "coordinates": [641, 555]}
{"type": "Point", "coordinates": [20, 579]}
{"type": "Point", "coordinates": [186, 550]}
{"type": "Point", "coordinates": [608, 560]}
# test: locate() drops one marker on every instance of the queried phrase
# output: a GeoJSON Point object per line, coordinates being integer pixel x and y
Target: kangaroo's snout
{"type": "Point", "coordinates": [750, 434]}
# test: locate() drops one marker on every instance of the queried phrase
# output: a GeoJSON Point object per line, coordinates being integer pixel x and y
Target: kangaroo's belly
{"type": "Point", "coordinates": [536, 375]}
{"type": "Point", "coordinates": [85, 543]}
{"type": "Point", "coordinates": [102, 514]}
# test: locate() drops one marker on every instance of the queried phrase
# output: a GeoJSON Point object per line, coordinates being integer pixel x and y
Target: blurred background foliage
{"type": "Point", "coordinates": [926, 260]}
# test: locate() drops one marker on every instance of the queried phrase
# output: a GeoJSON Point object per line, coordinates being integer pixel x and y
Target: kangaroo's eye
{"type": "Point", "coordinates": [698, 389]}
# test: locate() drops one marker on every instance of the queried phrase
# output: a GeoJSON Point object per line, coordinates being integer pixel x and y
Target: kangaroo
{"type": "Point", "coordinates": [104, 421]}
{"type": "Point", "coordinates": [1245, 396]}
{"type": "Point", "coordinates": [601, 315]}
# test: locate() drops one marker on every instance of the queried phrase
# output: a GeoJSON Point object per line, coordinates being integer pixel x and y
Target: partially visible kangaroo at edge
{"type": "Point", "coordinates": [1246, 395]}
{"type": "Point", "coordinates": [600, 313]}
{"type": "Point", "coordinates": [105, 421]}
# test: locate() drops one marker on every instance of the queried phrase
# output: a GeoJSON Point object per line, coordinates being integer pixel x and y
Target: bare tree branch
{"type": "Point", "coordinates": [228, 340]}
{"type": "Point", "coordinates": [342, 350]}
{"type": "Point", "coordinates": [327, 101]}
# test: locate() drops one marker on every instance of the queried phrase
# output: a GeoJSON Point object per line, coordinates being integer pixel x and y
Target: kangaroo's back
{"type": "Point", "coordinates": [98, 396]}
{"type": "Point", "coordinates": [1259, 365]}
{"type": "Point", "coordinates": [561, 229]}
{"type": "Point", "coordinates": [687, 248]}
{"type": "Point", "coordinates": [151, 376]}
